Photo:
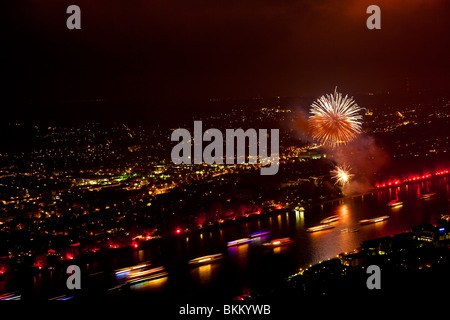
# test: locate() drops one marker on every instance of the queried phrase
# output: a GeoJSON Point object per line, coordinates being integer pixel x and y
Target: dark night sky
{"type": "Point", "coordinates": [143, 51]}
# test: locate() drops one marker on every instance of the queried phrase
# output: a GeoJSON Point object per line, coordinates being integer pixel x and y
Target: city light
{"type": "Point", "coordinates": [414, 178]}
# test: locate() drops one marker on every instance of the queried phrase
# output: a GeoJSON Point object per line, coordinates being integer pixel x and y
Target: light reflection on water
{"type": "Point", "coordinates": [204, 274]}
{"type": "Point", "coordinates": [154, 285]}
{"type": "Point", "coordinates": [240, 253]}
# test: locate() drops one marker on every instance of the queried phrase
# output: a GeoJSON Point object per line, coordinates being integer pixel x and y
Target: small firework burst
{"type": "Point", "coordinates": [342, 175]}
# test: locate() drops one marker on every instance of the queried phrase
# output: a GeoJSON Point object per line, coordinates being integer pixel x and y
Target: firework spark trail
{"type": "Point", "coordinates": [335, 120]}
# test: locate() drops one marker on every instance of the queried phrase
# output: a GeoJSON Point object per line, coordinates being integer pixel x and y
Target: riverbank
{"type": "Point", "coordinates": [409, 264]}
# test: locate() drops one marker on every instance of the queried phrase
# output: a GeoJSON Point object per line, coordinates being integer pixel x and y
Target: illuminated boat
{"type": "Point", "coordinates": [138, 273]}
{"type": "Point", "coordinates": [238, 242]}
{"type": "Point", "coordinates": [11, 296]}
{"type": "Point", "coordinates": [428, 195]}
{"type": "Point", "coordinates": [147, 274]}
{"type": "Point", "coordinates": [61, 298]}
{"type": "Point", "coordinates": [373, 220]}
{"type": "Point", "coordinates": [206, 259]}
{"type": "Point", "coordinates": [320, 228]}
{"type": "Point", "coordinates": [278, 242]}
{"type": "Point", "coordinates": [330, 219]}
{"type": "Point", "coordinates": [259, 234]}
{"type": "Point", "coordinates": [395, 203]}
{"type": "Point", "coordinates": [126, 272]}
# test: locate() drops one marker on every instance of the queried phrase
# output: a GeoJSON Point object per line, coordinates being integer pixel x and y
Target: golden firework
{"type": "Point", "coordinates": [335, 120]}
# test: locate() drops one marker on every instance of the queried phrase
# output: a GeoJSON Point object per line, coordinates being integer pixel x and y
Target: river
{"type": "Point", "coordinates": [255, 266]}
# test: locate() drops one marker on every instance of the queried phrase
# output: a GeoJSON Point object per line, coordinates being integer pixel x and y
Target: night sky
{"type": "Point", "coordinates": [140, 54]}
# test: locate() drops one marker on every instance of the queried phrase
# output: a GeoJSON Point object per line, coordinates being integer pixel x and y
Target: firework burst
{"type": "Point", "coordinates": [342, 175]}
{"type": "Point", "coordinates": [335, 120]}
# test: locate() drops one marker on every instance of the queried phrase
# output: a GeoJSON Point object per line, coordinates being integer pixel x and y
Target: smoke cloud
{"type": "Point", "coordinates": [365, 158]}
{"type": "Point", "coordinates": [302, 126]}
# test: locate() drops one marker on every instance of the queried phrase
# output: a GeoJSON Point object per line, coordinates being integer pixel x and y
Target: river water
{"type": "Point", "coordinates": [258, 267]}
